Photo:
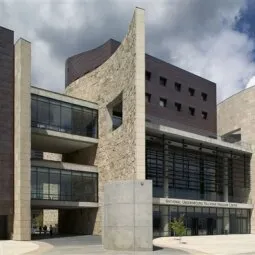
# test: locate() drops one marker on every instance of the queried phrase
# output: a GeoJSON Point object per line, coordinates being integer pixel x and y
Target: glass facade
{"type": "Point", "coordinates": [51, 114]}
{"type": "Point", "coordinates": [194, 171]}
{"type": "Point", "coordinates": [201, 220]}
{"type": "Point", "coordinates": [63, 185]}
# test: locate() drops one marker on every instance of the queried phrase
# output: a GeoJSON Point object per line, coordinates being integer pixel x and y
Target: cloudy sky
{"type": "Point", "coordinates": [212, 38]}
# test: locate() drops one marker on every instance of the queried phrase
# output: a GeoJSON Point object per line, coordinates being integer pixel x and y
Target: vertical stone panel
{"type": "Point", "coordinates": [6, 125]}
{"type": "Point", "coordinates": [120, 153]}
{"type": "Point", "coordinates": [238, 112]}
{"type": "Point", "coordinates": [22, 142]}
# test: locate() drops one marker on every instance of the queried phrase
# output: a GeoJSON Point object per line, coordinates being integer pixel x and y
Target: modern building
{"type": "Point", "coordinates": [130, 145]}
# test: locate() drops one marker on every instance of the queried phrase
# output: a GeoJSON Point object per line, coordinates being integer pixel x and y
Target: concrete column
{"type": "Point", "coordinates": [22, 142]}
{"type": "Point", "coordinates": [225, 169]}
{"type": "Point", "coordinates": [164, 220]}
{"type": "Point", "coordinates": [166, 169]}
{"type": "Point", "coordinates": [226, 223]}
{"type": "Point", "coordinates": [128, 215]}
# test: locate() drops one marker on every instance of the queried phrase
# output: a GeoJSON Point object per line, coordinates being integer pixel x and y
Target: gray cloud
{"type": "Point", "coordinates": [187, 33]}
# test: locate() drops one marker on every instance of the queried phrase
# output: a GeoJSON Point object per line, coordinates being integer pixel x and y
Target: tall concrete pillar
{"type": "Point", "coordinates": [128, 215]}
{"type": "Point", "coordinates": [164, 220]}
{"type": "Point", "coordinates": [22, 142]}
{"type": "Point", "coordinates": [226, 222]}
{"type": "Point", "coordinates": [225, 169]}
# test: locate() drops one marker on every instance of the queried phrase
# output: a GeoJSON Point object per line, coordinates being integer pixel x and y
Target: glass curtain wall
{"type": "Point", "coordinates": [63, 117]}
{"type": "Point", "coordinates": [64, 185]}
{"type": "Point", "coordinates": [201, 220]}
{"type": "Point", "coordinates": [195, 171]}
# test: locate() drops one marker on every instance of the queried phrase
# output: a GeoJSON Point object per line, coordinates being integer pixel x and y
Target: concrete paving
{"type": "Point", "coordinates": [16, 248]}
{"type": "Point", "coordinates": [80, 245]}
{"type": "Point", "coordinates": [217, 245]}
{"type": "Point", "coordinates": [89, 245]}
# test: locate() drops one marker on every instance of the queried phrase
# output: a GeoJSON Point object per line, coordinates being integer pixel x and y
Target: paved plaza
{"type": "Point", "coordinates": [216, 245]}
{"type": "Point", "coordinates": [80, 245]}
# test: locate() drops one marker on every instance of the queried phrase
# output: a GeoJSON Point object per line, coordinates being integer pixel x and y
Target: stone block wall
{"type": "Point", "coordinates": [50, 217]}
{"type": "Point", "coordinates": [120, 154]}
{"type": "Point", "coordinates": [237, 112]}
{"type": "Point", "coordinates": [52, 156]}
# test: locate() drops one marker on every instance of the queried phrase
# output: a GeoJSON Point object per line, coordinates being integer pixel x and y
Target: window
{"type": "Point", "coordinates": [204, 115]}
{"type": "Point", "coordinates": [191, 92]}
{"type": "Point", "coordinates": [162, 81]}
{"type": "Point", "coordinates": [178, 106]}
{"type": "Point", "coordinates": [177, 86]}
{"type": "Point", "coordinates": [148, 97]}
{"type": "Point", "coordinates": [162, 102]}
{"type": "Point", "coordinates": [115, 110]}
{"type": "Point", "coordinates": [148, 76]}
{"type": "Point", "coordinates": [192, 111]}
{"type": "Point", "coordinates": [204, 96]}
{"type": "Point", "coordinates": [117, 115]}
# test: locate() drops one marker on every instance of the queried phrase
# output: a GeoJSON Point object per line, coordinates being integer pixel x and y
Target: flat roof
{"type": "Point", "coordinates": [160, 129]}
{"type": "Point", "coordinates": [63, 97]}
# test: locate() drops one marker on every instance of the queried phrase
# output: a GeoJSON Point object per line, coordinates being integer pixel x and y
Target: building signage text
{"type": "Point", "coordinates": [183, 202]}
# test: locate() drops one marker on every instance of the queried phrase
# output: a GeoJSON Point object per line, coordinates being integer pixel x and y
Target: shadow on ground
{"type": "Point", "coordinates": [80, 245]}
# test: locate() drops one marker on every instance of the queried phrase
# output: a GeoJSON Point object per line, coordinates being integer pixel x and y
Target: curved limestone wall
{"type": "Point", "coordinates": [120, 154]}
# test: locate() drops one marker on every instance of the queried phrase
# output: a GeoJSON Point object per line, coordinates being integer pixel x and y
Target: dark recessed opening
{"type": "Point", "coordinates": [204, 115]}
{"type": "Point", "coordinates": [147, 75]}
{"type": "Point", "coordinates": [204, 96]}
{"type": "Point", "coordinates": [162, 102]}
{"type": "Point", "coordinates": [162, 81]}
{"type": "Point", "coordinates": [192, 111]}
{"type": "Point", "coordinates": [178, 106]}
{"type": "Point", "coordinates": [177, 86]}
{"type": "Point", "coordinates": [191, 92]}
{"type": "Point", "coordinates": [147, 97]}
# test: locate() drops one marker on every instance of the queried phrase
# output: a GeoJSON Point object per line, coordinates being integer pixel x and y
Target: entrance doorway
{"type": "Point", "coordinates": [210, 225]}
{"type": "Point", "coordinates": [3, 227]}
{"type": "Point", "coordinates": [194, 229]}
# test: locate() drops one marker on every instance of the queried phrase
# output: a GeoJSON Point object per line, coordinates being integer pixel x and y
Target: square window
{"type": "Point", "coordinates": [191, 92]}
{"type": "Point", "coordinates": [177, 86]}
{"type": "Point", "coordinates": [178, 106]}
{"type": "Point", "coordinates": [148, 76]}
{"type": "Point", "coordinates": [162, 81]}
{"type": "Point", "coordinates": [162, 102]}
{"type": "Point", "coordinates": [204, 115]}
{"type": "Point", "coordinates": [204, 96]}
{"type": "Point", "coordinates": [192, 111]}
{"type": "Point", "coordinates": [148, 97]}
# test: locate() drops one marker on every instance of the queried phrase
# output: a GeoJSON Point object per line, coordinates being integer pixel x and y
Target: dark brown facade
{"type": "Point", "coordinates": [174, 97]}
{"type": "Point", "coordinates": [6, 125]}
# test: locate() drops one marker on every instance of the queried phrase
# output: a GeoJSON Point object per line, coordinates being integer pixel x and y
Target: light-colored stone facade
{"type": "Point", "coordinates": [120, 154]}
{"type": "Point", "coordinates": [52, 156]}
{"type": "Point", "coordinates": [22, 142]}
{"type": "Point", "coordinates": [236, 112]}
{"type": "Point", "coordinates": [50, 217]}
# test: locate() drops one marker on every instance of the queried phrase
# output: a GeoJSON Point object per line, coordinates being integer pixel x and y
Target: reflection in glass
{"type": "Point", "coordinates": [63, 117]}
{"type": "Point", "coordinates": [54, 185]}
{"type": "Point", "coordinates": [201, 222]}
{"type": "Point", "coordinates": [64, 185]}
{"type": "Point", "coordinates": [43, 183]}
{"type": "Point", "coordinates": [66, 189]}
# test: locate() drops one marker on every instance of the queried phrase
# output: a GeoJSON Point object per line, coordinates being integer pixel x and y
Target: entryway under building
{"type": "Point", "coordinates": [64, 222]}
